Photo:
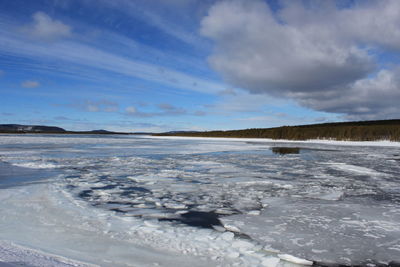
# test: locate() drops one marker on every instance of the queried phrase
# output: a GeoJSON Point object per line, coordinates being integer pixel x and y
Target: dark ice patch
{"type": "Point", "coordinates": [85, 194]}
{"type": "Point", "coordinates": [118, 210]}
{"type": "Point", "coordinates": [107, 187]}
{"type": "Point", "coordinates": [367, 263]}
{"type": "Point", "coordinates": [200, 219]}
{"type": "Point", "coordinates": [135, 190]}
{"type": "Point", "coordinates": [285, 150]}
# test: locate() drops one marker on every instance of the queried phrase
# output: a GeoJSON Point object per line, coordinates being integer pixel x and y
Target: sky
{"type": "Point", "coordinates": [163, 65]}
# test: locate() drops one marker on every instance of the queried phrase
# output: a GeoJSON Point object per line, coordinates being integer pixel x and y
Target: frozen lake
{"type": "Point", "coordinates": [146, 201]}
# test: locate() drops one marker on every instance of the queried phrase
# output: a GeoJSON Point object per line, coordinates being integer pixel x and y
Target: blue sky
{"type": "Point", "coordinates": [159, 65]}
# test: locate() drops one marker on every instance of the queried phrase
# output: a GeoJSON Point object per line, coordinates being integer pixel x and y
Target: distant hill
{"type": "Point", "coordinates": [181, 132]}
{"type": "Point", "coordinates": [351, 131]}
{"type": "Point", "coordinates": [17, 128]}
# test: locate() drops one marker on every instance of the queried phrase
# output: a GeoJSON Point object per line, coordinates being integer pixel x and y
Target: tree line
{"type": "Point", "coordinates": [349, 131]}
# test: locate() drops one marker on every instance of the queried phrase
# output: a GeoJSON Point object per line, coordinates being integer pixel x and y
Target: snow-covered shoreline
{"type": "Point", "coordinates": [12, 254]}
{"type": "Point", "coordinates": [381, 143]}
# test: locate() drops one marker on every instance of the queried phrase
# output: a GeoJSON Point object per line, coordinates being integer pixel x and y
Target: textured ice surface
{"type": "Point", "coordinates": [215, 200]}
{"type": "Point", "coordinates": [12, 255]}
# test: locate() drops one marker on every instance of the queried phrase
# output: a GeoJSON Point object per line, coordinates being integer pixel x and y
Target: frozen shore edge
{"type": "Point", "coordinates": [385, 143]}
{"type": "Point", "coordinates": [16, 255]}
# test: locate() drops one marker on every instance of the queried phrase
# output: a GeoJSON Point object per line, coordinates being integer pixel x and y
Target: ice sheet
{"type": "Point", "coordinates": [216, 201]}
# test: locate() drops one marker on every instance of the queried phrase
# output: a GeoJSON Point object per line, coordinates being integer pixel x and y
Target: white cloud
{"type": "Point", "coordinates": [166, 110]}
{"type": "Point", "coordinates": [131, 110]}
{"type": "Point", "coordinates": [158, 14]}
{"type": "Point", "coordinates": [227, 91]}
{"type": "Point", "coordinates": [367, 98]}
{"type": "Point", "coordinates": [101, 105]}
{"type": "Point", "coordinates": [316, 54]}
{"type": "Point", "coordinates": [94, 106]}
{"type": "Point", "coordinates": [30, 84]}
{"type": "Point", "coordinates": [46, 28]}
{"type": "Point", "coordinates": [72, 52]}
{"type": "Point", "coordinates": [169, 109]}
{"type": "Point", "coordinates": [243, 101]}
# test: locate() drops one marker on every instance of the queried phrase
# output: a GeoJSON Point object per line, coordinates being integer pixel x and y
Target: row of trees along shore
{"type": "Point", "coordinates": [350, 131]}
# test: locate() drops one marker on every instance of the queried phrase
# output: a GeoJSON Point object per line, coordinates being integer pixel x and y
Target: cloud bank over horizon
{"type": "Point", "coordinates": [198, 64]}
{"type": "Point", "coordinates": [326, 57]}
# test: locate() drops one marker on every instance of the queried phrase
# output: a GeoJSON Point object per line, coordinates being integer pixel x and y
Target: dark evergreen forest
{"type": "Point", "coordinates": [351, 131]}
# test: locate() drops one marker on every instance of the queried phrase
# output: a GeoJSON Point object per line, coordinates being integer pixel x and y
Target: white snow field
{"type": "Point", "coordinates": [145, 201]}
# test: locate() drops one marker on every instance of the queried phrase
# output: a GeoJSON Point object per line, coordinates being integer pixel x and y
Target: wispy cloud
{"type": "Point", "coordinates": [171, 109]}
{"type": "Point", "coordinates": [227, 91]}
{"type": "Point", "coordinates": [46, 28]}
{"type": "Point", "coordinates": [30, 84]}
{"type": "Point", "coordinates": [165, 109]}
{"type": "Point", "coordinates": [93, 106]}
{"type": "Point", "coordinates": [135, 112]}
{"type": "Point", "coordinates": [159, 19]}
{"type": "Point", "coordinates": [243, 101]}
{"type": "Point", "coordinates": [62, 118]}
{"type": "Point", "coordinates": [88, 56]}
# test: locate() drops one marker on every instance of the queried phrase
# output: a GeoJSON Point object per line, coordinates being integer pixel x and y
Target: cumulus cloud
{"type": "Point", "coordinates": [61, 118]}
{"type": "Point", "coordinates": [131, 110]}
{"type": "Point", "coordinates": [30, 84]}
{"type": "Point", "coordinates": [102, 105]}
{"type": "Point", "coordinates": [46, 28]}
{"type": "Point", "coordinates": [368, 98]}
{"type": "Point", "coordinates": [171, 110]}
{"type": "Point", "coordinates": [135, 112]}
{"type": "Point", "coordinates": [94, 106]}
{"type": "Point", "coordinates": [323, 56]}
{"type": "Point", "coordinates": [227, 91]}
{"type": "Point", "coordinates": [164, 109]}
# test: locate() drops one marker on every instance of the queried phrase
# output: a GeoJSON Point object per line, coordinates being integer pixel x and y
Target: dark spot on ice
{"type": "Point", "coordinates": [118, 210]}
{"type": "Point", "coordinates": [201, 219]}
{"type": "Point", "coordinates": [286, 150]}
{"type": "Point", "coordinates": [364, 264]}
{"type": "Point", "coordinates": [107, 187]}
{"type": "Point", "coordinates": [70, 186]}
{"type": "Point", "coordinates": [380, 197]}
{"type": "Point", "coordinates": [85, 194]}
{"type": "Point", "coordinates": [195, 182]}
{"type": "Point", "coordinates": [242, 235]}
{"type": "Point", "coordinates": [137, 189]}
{"type": "Point", "coordinates": [72, 176]}
{"type": "Point", "coordinates": [118, 203]}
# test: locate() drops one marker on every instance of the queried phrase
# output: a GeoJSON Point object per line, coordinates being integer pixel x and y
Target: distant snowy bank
{"type": "Point", "coordinates": [267, 140]}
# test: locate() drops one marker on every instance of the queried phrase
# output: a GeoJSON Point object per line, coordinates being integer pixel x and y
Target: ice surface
{"type": "Point", "coordinates": [12, 255]}
{"type": "Point", "coordinates": [214, 201]}
{"type": "Point", "coordinates": [294, 259]}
